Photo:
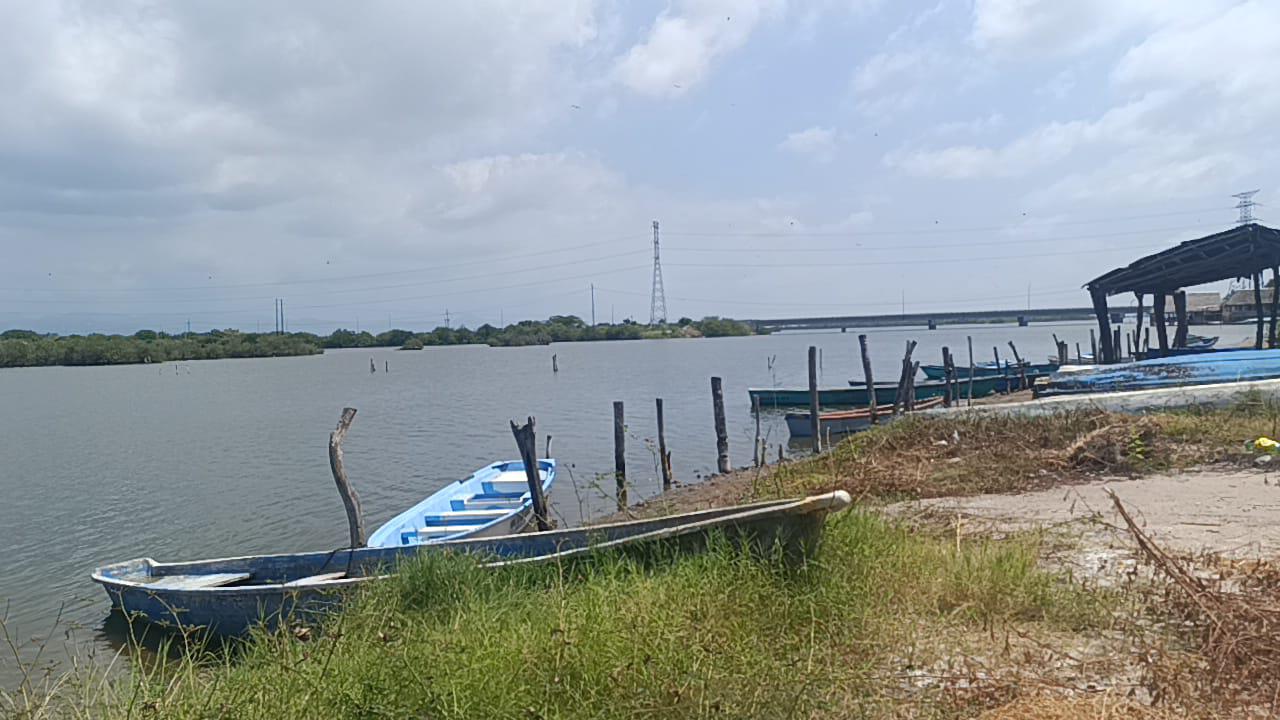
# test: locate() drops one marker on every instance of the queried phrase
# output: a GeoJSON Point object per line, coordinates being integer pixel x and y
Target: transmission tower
{"type": "Point", "coordinates": [1245, 206]}
{"type": "Point", "coordinates": [658, 298]}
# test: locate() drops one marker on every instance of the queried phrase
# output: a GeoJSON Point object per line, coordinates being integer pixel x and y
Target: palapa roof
{"type": "Point", "coordinates": [1239, 252]}
{"type": "Point", "coordinates": [1245, 297]}
{"type": "Point", "coordinates": [1197, 301]}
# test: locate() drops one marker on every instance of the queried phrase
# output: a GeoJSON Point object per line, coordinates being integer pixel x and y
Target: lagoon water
{"type": "Point", "coordinates": [229, 457]}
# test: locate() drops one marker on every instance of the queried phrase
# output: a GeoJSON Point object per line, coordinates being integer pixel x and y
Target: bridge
{"type": "Point", "coordinates": [930, 319]}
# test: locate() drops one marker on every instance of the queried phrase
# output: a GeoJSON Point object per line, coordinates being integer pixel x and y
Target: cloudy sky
{"type": "Point", "coordinates": [383, 162]}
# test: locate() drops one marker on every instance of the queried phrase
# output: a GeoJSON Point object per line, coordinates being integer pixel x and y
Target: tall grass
{"type": "Point", "coordinates": [722, 633]}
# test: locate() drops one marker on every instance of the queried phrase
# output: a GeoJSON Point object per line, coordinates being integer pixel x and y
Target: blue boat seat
{"type": "Point", "coordinates": [464, 517]}
{"type": "Point", "coordinates": [472, 503]}
{"type": "Point", "coordinates": [503, 490]}
{"type": "Point", "coordinates": [437, 531]}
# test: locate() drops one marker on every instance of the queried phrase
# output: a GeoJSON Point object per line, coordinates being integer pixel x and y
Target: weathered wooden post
{"type": "Point", "coordinates": [1108, 348]}
{"type": "Point", "coordinates": [871, 384]}
{"type": "Point", "coordinates": [351, 501]}
{"type": "Point", "coordinates": [900, 397]}
{"type": "Point", "coordinates": [1022, 368]}
{"type": "Point", "coordinates": [527, 441]}
{"type": "Point", "coordinates": [1180, 312]}
{"type": "Point", "coordinates": [1115, 343]}
{"type": "Point", "coordinates": [664, 457]}
{"type": "Point", "coordinates": [1079, 357]}
{"type": "Point", "coordinates": [722, 435]}
{"type": "Point", "coordinates": [1157, 319]}
{"type": "Point", "coordinates": [555, 363]}
{"type": "Point", "coordinates": [969, 339]}
{"type": "Point", "coordinates": [814, 410]}
{"type": "Point", "coordinates": [1093, 346]}
{"type": "Point", "coordinates": [620, 454]}
{"type": "Point", "coordinates": [946, 376]}
{"type": "Point", "coordinates": [1275, 304]}
{"type": "Point", "coordinates": [1146, 340]}
{"type": "Point", "coordinates": [757, 452]}
{"type": "Point", "coordinates": [911, 385]}
{"type": "Point", "coordinates": [1257, 303]}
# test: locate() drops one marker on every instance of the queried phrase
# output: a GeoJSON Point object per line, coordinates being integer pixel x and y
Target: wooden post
{"type": "Point", "coordinates": [620, 454]}
{"type": "Point", "coordinates": [814, 409]}
{"type": "Point", "coordinates": [969, 338]}
{"type": "Point", "coordinates": [1180, 312]}
{"type": "Point", "coordinates": [757, 454]}
{"type": "Point", "coordinates": [1257, 303]}
{"type": "Point", "coordinates": [1099, 298]}
{"type": "Point", "coordinates": [664, 457]}
{"type": "Point", "coordinates": [1275, 299]}
{"type": "Point", "coordinates": [351, 501]}
{"type": "Point", "coordinates": [722, 435]}
{"type": "Point", "coordinates": [1093, 346]}
{"type": "Point", "coordinates": [946, 376]}
{"type": "Point", "coordinates": [1162, 333]}
{"type": "Point", "coordinates": [555, 363]}
{"type": "Point", "coordinates": [1022, 369]}
{"type": "Point", "coordinates": [1146, 340]}
{"type": "Point", "coordinates": [899, 397]}
{"type": "Point", "coordinates": [1128, 339]}
{"type": "Point", "coordinates": [1137, 330]}
{"type": "Point", "coordinates": [1115, 343]}
{"type": "Point", "coordinates": [871, 383]}
{"type": "Point", "coordinates": [911, 385]}
{"type": "Point", "coordinates": [527, 441]}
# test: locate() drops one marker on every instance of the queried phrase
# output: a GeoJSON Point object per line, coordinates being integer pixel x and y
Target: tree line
{"type": "Point", "coordinates": [24, 348]}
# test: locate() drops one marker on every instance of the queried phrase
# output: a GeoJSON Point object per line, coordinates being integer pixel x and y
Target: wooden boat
{"type": "Point", "coordinates": [856, 394]}
{"type": "Point", "coordinates": [987, 369]}
{"type": "Point", "coordinates": [231, 595]}
{"type": "Point", "coordinates": [846, 421]}
{"type": "Point", "coordinates": [1196, 369]}
{"type": "Point", "coordinates": [493, 501]}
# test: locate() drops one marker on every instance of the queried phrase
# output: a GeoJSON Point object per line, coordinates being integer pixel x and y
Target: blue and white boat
{"type": "Point", "coordinates": [229, 596]}
{"type": "Point", "coordinates": [493, 501]}
{"type": "Point", "coordinates": [1207, 368]}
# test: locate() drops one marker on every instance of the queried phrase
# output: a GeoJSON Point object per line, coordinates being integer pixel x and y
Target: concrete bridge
{"type": "Point", "coordinates": [930, 320]}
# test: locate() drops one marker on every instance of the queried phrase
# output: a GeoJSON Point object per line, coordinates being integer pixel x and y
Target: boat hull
{"type": "Point", "coordinates": [857, 396]}
{"type": "Point", "coordinates": [136, 589]}
{"type": "Point", "coordinates": [1196, 369]}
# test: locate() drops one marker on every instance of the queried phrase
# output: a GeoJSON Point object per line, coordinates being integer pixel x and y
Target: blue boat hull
{"type": "Point", "coordinates": [264, 595]}
{"type": "Point", "coordinates": [1197, 369]}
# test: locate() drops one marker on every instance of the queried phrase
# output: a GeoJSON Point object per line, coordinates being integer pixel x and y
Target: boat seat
{"type": "Point", "coordinates": [504, 489]}
{"type": "Point", "coordinates": [437, 531]}
{"type": "Point", "coordinates": [197, 582]}
{"type": "Point", "coordinates": [473, 503]}
{"type": "Point", "coordinates": [314, 579]}
{"type": "Point", "coordinates": [464, 517]}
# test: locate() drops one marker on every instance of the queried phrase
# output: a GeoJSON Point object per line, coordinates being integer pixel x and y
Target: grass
{"type": "Point", "coordinates": [717, 634]}
{"type": "Point", "coordinates": [929, 456]}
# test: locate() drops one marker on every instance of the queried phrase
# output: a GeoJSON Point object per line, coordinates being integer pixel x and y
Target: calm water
{"type": "Point", "coordinates": [217, 458]}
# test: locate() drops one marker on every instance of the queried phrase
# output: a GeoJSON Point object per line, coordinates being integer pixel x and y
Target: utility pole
{"type": "Point", "coordinates": [446, 318]}
{"type": "Point", "coordinates": [593, 304]}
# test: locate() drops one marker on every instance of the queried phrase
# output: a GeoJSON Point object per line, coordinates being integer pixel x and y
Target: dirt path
{"type": "Point", "coordinates": [1233, 512]}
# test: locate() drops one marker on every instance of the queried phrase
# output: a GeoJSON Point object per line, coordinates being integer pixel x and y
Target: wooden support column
{"type": "Point", "coordinates": [620, 454]}
{"type": "Point", "coordinates": [1137, 330]}
{"type": "Point", "coordinates": [722, 435]}
{"type": "Point", "coordinates": [1162, 333]}
{"type": "Point", "coordinates": [351, 501]}
{"type": "Point", "coordinates": [1257, 304]}
{"type": "Point", "coordinates": [815, 425]}
{"type": "Point", "coordinates": [1099, 298]}
{"type": "Point", "coordinates": [664, 455]}
{"type": "Point", "coordinates": [870, 382]}
{"type": "Point", "coordinates": [1180, 312]}
{"type": "Point", "coordinates": [1275, 299]}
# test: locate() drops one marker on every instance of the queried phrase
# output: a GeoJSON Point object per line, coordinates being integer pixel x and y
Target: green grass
{"type": "Point", "coordinates": [716, 634]}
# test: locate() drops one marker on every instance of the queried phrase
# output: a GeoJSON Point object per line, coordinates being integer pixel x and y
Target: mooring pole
{"type": "Point", "coordinates": [620, 454]}
{"type": "Point", "coordinates": [871, 383]}
{"type": "Point", "coordinates": [722, 434]}
{"type": "Point", "coordinates": [757, 453]}
{"type": "Point", "coordinates": [527, 441]}
{"type": "Point", "coordinates": [351, 501]}
{"type": "Point", "coordinates": [814, 419]}
{"type": "Point", "coordinates": [664, 457]}
{"type": "Point", "coordinates": [969, 339]}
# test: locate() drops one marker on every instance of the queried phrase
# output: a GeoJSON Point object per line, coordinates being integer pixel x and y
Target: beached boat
{"type": "Point", "coordinates": [856, 394]}
{"type": "Point", "coordinates": [1196, 369]}
{"type": "Point", "coordinates": [846, 421]}
{"type": "Point", "coordinates": [492, 501]}
{"type": "Point", "coordinates": [231, 595]}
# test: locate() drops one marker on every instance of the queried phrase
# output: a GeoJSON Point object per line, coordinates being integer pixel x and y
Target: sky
{"type": "Point", "coordinates": [397, 163]}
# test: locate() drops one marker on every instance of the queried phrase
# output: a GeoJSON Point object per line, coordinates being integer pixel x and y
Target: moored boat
{"type": "Point", "coordinates": [1196, 369]}
{"type": "Point", "coordinates": [846, 421]}
{"type": "Point", "coordinates": [986, 369]}
{"type": "Point", "coordinates": [856, 394]}
{"type": "Point", "coordinates": [493, 501]}
{"type": "Point", "coordinates": [229, 596]}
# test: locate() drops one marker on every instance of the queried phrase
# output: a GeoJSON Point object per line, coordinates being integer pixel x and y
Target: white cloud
{"type": "Point", "coordinates": [1047, 28]}
{"type": "Point", "coordinates": [682, 45]}
{"type": "Point", "coordinates": [817, 143]}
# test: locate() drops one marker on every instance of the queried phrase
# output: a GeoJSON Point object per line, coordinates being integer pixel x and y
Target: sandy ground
{"type": "Point", "coordinates": [1232, 512]}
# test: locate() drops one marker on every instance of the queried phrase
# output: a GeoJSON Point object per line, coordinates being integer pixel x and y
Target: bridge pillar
{"type": "Point", "coordinates": [933, 324]}
{"type": "Point", "coordinates": [1023, 321]}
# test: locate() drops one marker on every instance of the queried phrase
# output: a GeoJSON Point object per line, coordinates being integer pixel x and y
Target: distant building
{"type": "Point", "coordinates": [1204, 307]}
{"type": "Point", "coordinates": [1239, 305]}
